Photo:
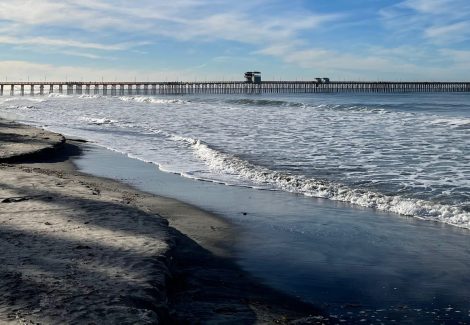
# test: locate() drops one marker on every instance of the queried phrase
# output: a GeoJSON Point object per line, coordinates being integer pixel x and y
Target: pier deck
{"type": "Point", "coordinates": [224, 87]}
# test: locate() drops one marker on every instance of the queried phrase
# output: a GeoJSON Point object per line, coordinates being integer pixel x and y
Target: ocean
{"type": "Point", "coordinates": [358, 203]}
{"type": "Point", "coordinates": [403, 153]}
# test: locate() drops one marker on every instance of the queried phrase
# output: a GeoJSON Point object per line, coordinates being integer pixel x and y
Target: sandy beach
{"type": "Point", "coordinates": [81, 249]}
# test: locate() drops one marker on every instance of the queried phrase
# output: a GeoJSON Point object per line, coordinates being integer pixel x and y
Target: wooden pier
{"type": "Point", "coordinates": [224, 87]}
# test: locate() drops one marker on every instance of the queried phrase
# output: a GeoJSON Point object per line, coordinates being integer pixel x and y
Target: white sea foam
{"type": "Point", "coordinates": [56, 95]}
{"type": "Point", "coordinates": [264, 102]}
{"type": "Point", "coordinates": [88, 96]}
{"type": "Point", "coordinates": [152, 100]}
{"type": "Point", "coordinates": [22, 99]}
{"type": "Point", "coordinates": [229, 164]}
{"type": "Point", "coordinates": [452, 122]}
{"type": "Point", "coordinates": [388, 157]}
{"type": "Point", "coordinates": [98, 120]}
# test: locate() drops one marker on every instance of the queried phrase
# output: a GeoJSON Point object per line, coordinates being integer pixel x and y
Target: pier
{"type": "Point", "coordinates": [224, 87]}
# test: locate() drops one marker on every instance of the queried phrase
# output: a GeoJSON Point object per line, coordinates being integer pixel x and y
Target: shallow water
{"type": "Point", "coordinates": [356, 263]}
{"type": "Point", "coordinates": [402, 153]}
{"type": "Point", "coordinates": [339, 171]}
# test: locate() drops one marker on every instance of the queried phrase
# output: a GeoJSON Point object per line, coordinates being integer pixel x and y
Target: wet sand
{"type": "Point", "coordinates": [360, 265]}
{"type": "Point", "coordinates": [82, 249]}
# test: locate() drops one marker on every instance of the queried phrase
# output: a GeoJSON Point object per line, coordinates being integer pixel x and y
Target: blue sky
{"type": "Point", "coordinates": [208, 40]}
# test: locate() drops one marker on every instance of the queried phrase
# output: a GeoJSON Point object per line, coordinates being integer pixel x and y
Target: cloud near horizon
{"type": "Point", "coordinates": [185, 39]}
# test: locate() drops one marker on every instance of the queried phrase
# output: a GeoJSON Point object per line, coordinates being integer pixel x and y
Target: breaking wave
{"type": "Point", "coordinates": [224, 163]}
{"type": "Point", "coordinates": [374, 109]}
{"type": "Point", "coordinates": [456, 123]}
{"type": "Point", "coordinates": [56, 95]}
{"type": "Point", "coordinates": [98, 121]}
{"type": "Point", "coordinates": [152, 100]}
{"type": "Point", "coordinates": [264, 102]}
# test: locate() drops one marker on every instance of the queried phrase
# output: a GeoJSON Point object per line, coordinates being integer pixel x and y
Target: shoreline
{"type": "Point", "coordinates": [198, 280]}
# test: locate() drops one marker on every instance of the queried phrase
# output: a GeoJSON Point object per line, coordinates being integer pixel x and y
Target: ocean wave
{"type": "Point", "coordinates": [87, 96]}
{"type": "Point", "coordinates": [263, 102]}
{"type": "Point", "coordinates": [372, 109]}
{"type": "Point", "coordinates": [26, 107]}
{"type": "Point", "coordinates": [220, 162]}
{"type": "Point", "coordinates": [57, 95]}
{"type": "Point", "coordinates": [457, 123]}
{"type": "Point", "coordinates": [152, 100]}
{"type": "Point", "coordinates": [98, 121]}
{"type": "Point", "coordinates": [22, 99]}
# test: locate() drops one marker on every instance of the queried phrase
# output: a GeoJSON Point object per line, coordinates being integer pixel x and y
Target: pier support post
{"type": "Point", "coordinates": [154, 88]}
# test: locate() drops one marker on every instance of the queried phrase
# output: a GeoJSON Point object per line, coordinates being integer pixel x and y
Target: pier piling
{"type": "Point", "coordinates": [234, 87]}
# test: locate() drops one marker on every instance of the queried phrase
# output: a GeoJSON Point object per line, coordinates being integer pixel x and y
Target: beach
{"type": "Point", "coordinates": [82, 249]}
{"type": "Point", "coordinates": [305, 194]}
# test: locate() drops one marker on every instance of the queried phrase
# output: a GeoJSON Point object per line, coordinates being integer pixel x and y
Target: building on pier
{"type": "Point", "coordinates": [253, 77]}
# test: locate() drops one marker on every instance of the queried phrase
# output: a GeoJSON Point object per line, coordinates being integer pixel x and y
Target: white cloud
{"type": "Point", "coordinates": [180, 19]}
{"type": "Point", "coordinates": [87, 28]}
{"type": "Point", "coordinates": [400, 63]}
{"type": "Point", "coordinates": [437, 21]}
{"type": "Point", "coordinates": [460, 58]}
{"type": "Point", "coordinates": [44, 41]}
{"type": "Point", "coordinates": [449, 33]}
{"type": "Point", "coordinates": [20, 70]}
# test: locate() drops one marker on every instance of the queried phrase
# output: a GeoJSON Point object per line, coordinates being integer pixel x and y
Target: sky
{"type": "Point", "coordinates": [163, 40]}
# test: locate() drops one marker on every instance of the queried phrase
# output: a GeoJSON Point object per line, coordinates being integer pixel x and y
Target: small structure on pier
{"type": "Point", "coordinates": [253, 77]}
{"type": "Point", "coordinates": [323, 80]}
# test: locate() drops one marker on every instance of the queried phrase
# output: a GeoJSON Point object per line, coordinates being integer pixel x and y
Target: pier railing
{"type": "Point", "coordinates": [224, 87]}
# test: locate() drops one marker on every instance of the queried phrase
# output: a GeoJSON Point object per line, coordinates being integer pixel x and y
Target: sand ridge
{"type": "Point", "coordinates": [20, 141]}
{"type": "Point", "coordinates": [72, 251]}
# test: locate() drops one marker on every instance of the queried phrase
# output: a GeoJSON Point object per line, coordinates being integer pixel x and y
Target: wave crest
{"type": "Point", "coordinates": [224, 163]}
{"type": "Point", "coordinates": [264, 102]}
{"type": "Point", "coordinates": [152, 100]}
{"type": "Point", "coordinates": [456, 123]}
{"type": "Point", "coordinates": [98, 121]}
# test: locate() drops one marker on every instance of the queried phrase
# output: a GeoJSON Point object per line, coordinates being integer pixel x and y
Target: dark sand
{"type": "Point", "coordinates": [81, 249]}
{"type": "Point", "coordinates": [358, 264]}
